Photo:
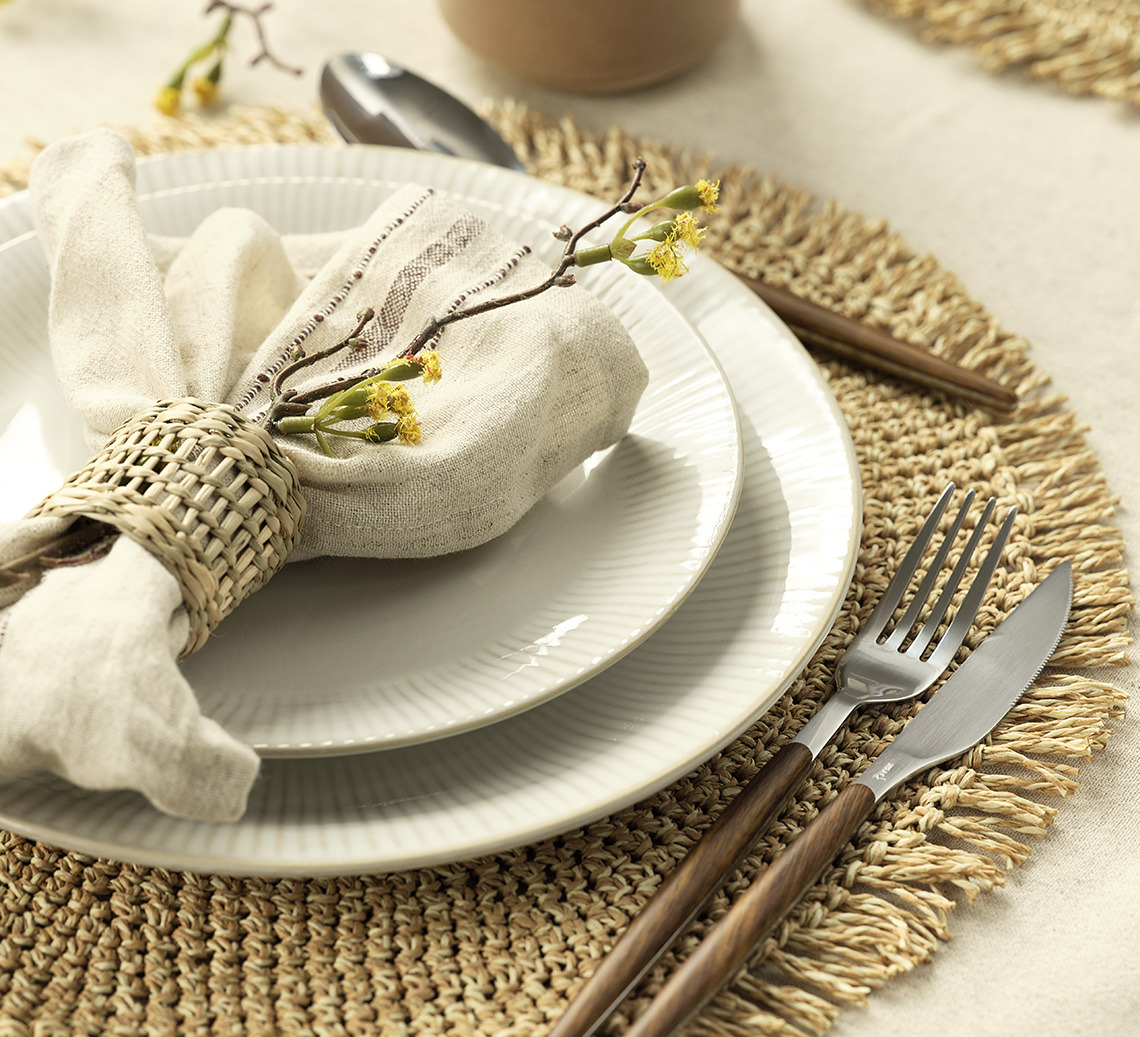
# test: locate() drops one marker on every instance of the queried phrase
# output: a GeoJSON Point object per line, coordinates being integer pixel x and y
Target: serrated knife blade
{"type": "Point", "coordinates": [968, 706]}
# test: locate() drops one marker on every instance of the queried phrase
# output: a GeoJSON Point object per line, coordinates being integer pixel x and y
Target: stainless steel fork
{"type": "Point", "coordinates": [884, 663]}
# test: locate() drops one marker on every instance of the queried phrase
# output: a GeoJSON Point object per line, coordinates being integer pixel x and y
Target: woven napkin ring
{"type": "Point", "coordinates": [208, 493]}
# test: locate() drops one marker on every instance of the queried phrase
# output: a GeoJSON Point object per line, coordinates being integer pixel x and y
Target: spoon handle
{"type": "Point", "coordinates": [685, 890]}
{"type": "Point", "coordinates": [819, 326]}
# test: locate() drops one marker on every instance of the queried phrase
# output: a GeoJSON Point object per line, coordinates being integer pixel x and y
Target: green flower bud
{"type": "Point", "coordinates": [659, 231]}
{"type": "Point", "coordinates": [349, 403]}
{"type": "Point", "coordinates": [685, 198]}
{"type": "Point", "coordinates": [381, 432]}
{"type": "Point", "coordinates": [640, 265]}
{"type": "Point", "coordinates": [400, 370]}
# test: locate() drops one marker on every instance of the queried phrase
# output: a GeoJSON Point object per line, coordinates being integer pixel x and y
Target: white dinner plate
{"type": "Point", "coordinates": [763, 606]}
{"type": "Point", "coordinates": [582, 579]}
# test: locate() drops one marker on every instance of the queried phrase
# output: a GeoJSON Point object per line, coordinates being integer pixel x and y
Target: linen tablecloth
{"type": "Point", "coordinates": [1018, 188]}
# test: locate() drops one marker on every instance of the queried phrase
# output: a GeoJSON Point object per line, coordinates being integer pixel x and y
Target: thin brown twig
{"type": "Point", "coordinates": [85, 540]}
{"type": "Point", "coordinates": [305, 360]}
{"type": "Point", "coordinates": [254, 14]}
{"type": "Point", "coordinates": [288, 401]}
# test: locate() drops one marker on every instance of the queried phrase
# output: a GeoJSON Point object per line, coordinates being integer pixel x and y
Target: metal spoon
{"type": "Point", "coordinates": [369, 100]}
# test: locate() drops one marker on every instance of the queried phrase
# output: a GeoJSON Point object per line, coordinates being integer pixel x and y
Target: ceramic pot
{"type": "Point", "coordinates": [591, 46]}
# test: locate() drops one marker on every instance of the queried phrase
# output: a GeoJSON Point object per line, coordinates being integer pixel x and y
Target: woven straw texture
{"type": "Point", "coordinates": [1087, 47]}
{"type": "Point", "coordinates": [205, 491]}
{"type": "Point", "coordinates": [497, 945]}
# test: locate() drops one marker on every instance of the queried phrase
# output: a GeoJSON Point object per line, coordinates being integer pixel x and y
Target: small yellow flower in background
{"type": "Point", "coordinates": [207, 87]}
{"type": "Point", "coordinates": [204, 90]}
{"type": "Point", "coordinates": [168, 100]}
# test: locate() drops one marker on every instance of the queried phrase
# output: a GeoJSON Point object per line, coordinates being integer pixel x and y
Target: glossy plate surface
{"type": "Point", "coordinates": [740, 638]}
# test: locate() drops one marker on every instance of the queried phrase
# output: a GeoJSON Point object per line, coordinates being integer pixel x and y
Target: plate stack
{"type": "Point", "coordinates": [411, 713]}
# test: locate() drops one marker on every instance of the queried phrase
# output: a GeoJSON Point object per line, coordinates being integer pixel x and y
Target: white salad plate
{"type": "Point", "coordinates": [658, 689]}
{"type": "Point", "coordinates": [348, 655]}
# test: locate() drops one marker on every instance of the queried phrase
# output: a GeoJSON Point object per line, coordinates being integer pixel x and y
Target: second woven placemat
{"type": "Point", "coordinates": [497, 945]}
{"type": "Point", "coordinates": [1087, 47]}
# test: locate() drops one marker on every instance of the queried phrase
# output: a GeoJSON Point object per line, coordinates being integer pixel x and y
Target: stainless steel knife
{"type": "Point", "coordinates": [967, 708]}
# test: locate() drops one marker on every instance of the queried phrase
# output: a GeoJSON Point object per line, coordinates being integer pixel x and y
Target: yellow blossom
{"type": "Point", "coordinates": [400, 401]}
{"type": "Point", "coordinates": [205, 89]}
{"type": "Point", "coordinates": [378, 395]}
{"type": "Point", "coordinates": [686, 229]}
{"type": "Point", "coordinates": [387, 397]}
{"type": "Point", "coordinates": [408, 429]}
{"type": "Point", "coordinates": [709, 190]}
{"type": "Point", "coordinates": [667, 260]}
{"type": "Point", "coordinates": [429, 360]}
{"type": "Point", "coordinates": [168, 100]}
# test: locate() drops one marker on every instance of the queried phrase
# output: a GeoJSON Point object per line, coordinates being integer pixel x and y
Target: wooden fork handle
{"type": "Point", "coordinates": [754, 915]}
{"type": "Point", "coordinates": [685, 890]}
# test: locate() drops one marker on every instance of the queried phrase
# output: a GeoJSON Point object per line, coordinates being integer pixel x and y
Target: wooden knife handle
{"type": "Point", "coordinates": [685, 890]}
{"type": "Point", "coordinates": [754, 915]}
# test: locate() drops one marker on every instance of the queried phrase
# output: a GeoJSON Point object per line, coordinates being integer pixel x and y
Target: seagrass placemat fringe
{"type": "Point", "coordinates": [1087, 47]}
{"type": "Point", "coordinates": [497, 945]}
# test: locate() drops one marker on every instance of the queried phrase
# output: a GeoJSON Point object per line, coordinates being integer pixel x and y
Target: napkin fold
{"type": "Point", "coordinates": [90, 689]}
{"type": "Point", "coordinates": [89, 683]}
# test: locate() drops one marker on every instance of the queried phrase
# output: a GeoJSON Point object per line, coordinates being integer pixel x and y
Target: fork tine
{"type": "Point", "coordinates": [926, 634]}
{"type": "Point", "coordinates": [913, 611]}
{"type": "Point", "coordinates": [901, 580]}
{"type": "Point", "coordinates": [956, 633]}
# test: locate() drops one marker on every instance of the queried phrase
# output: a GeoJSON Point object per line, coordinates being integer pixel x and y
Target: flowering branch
{"type": "Point", "coordinates": [169, 98]}
{"type": "Point", "coordinates": [375, 406]}
{"type": "Point", "coordinates": [558, 277]}
{"type": "Point", "coordinates": [373, 394]}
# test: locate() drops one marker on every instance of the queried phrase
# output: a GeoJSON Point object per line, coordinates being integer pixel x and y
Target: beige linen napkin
{"type": "Point", "coordinates": [89, 684]}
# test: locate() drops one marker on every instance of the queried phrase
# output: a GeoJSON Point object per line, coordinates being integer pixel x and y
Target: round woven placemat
{"type": "Point", "coordinates": [498, 945]}
{"type": "Point", "coordinates": [1083, 46]}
